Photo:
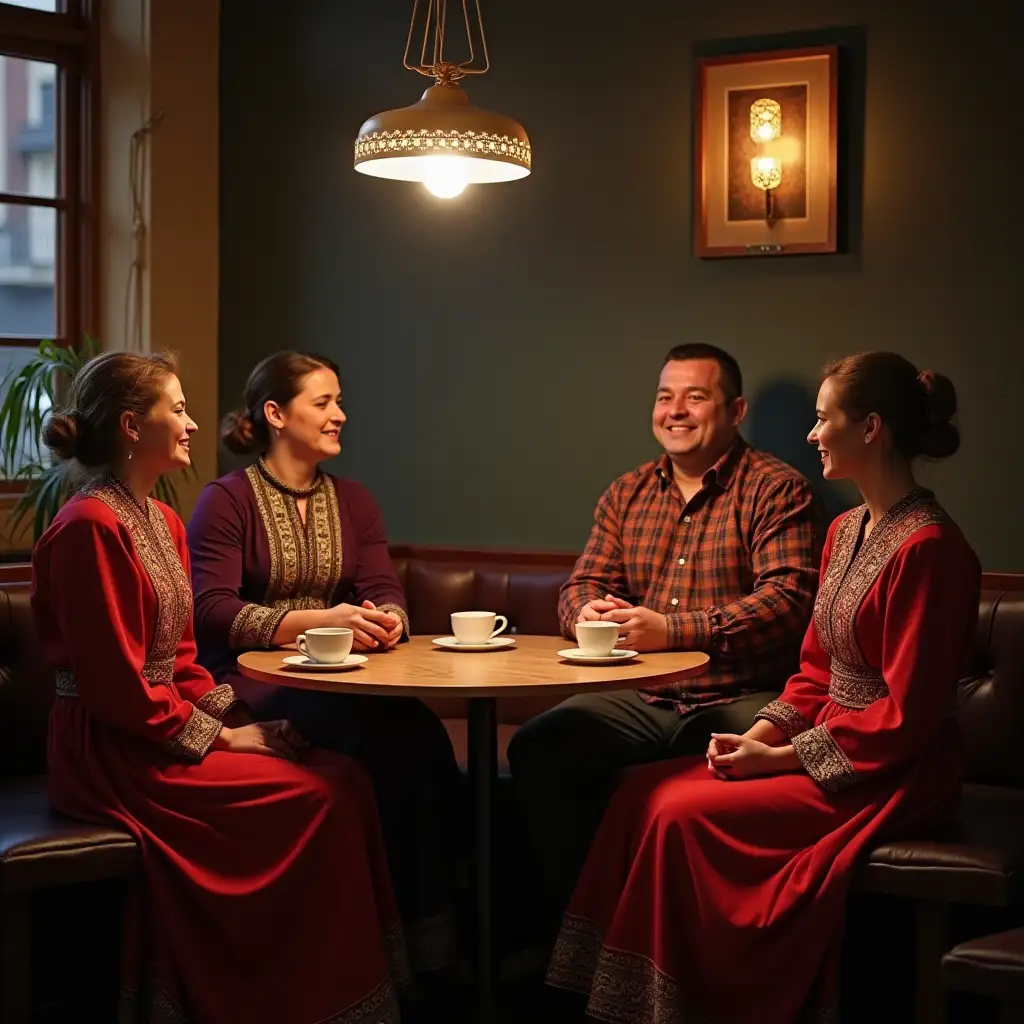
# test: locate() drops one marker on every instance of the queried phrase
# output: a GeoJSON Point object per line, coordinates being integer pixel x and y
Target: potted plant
{"type": "Point", "coordinates": [28, 394]}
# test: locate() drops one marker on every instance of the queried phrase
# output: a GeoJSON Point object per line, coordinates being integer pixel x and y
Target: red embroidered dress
{"type": "Point", "coordinates": [267, 882]}
{"type": "Point", "coordinates": [722, 901]}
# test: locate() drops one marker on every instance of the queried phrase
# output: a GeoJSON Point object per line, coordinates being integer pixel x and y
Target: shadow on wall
{"type": "Point", "coordinates": [781, 415]}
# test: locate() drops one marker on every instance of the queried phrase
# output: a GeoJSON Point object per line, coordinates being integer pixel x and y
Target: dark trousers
{"type": "Point", "coordinates": [407, 753]}
{"type": "Point", "coordinates": [567, 762]}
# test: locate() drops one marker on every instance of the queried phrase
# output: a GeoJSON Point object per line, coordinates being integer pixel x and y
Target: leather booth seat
{"type": "Point", "coordinates": [977, 859]}
{"type": "Point", "coordinates": [39, 848]}
{"type": "Point", "coordinates": [991, 966]}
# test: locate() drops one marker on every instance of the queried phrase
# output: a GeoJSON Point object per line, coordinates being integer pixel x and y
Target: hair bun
{"type": "Point", "coordinates": [62, 435]}
{"type": "Point", "coordinates": [238, 433]}
{"type": "Point", "coordinates": [941, 438]}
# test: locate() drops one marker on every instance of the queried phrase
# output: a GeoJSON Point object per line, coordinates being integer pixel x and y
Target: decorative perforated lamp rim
{"type": "Point", "coordinates": [394, 143]}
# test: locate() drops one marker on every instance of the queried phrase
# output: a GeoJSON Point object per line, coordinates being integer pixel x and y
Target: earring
{"type": "Point", "coordinates": [129, 456]}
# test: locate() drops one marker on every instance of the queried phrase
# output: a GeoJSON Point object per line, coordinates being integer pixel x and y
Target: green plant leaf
{"type": "Point", "coordinates": [29, 394]}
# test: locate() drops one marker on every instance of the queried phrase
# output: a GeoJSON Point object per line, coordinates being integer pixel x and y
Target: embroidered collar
{"type": "Point", "coordinates": [295, 492]}
{"type": "Point", "coordinates": [110, 482]}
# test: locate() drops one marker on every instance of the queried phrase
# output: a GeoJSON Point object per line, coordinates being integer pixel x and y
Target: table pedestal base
{"type": "Point", "coordinates": [483, 769]}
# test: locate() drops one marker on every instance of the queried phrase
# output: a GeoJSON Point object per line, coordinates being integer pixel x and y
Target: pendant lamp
{"type": "Point", "coordinates": [443, 140]}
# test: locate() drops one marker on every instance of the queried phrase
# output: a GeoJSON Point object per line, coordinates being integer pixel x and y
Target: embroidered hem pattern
{"type": "Point", "coordinates": [622, 987]}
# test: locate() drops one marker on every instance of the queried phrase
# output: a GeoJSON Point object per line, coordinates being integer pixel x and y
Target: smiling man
{"type": "Point", "coordinates": [713, 547]}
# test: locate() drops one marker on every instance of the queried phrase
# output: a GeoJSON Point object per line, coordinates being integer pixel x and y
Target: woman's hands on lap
{"type": "Point", "coordinates": [731, 756]}
{"type": "Point", "coordinates": [271, 739]}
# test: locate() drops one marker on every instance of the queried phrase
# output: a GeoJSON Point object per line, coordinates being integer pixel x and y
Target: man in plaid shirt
{"type": "Point", "coordinates": [713, 547]}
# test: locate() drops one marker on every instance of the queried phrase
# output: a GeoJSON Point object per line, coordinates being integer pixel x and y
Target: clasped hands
{"type": "Point", "coordinates": [641, 629]}
{"type": "Point", "coordinates": [731, 756]}
{"type": "Point", "coordinates": [372, 630]}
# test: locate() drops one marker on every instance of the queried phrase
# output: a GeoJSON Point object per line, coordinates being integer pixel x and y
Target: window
{"type": "Point", "coordinates": [47, 263]}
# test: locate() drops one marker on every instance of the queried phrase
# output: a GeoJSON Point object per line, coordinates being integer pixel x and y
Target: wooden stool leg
{"type": "Point", "coordinates": [15, 970]}
{"type": "Point", "coordinates": [931, 942]}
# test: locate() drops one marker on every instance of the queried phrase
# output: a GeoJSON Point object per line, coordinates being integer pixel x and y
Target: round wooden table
{"type": "Point", "coordinates": [531, 667]}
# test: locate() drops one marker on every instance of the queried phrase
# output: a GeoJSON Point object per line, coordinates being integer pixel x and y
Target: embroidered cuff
{"type": "Point", "coordinates": [254, 626]}
{"type": "Point", "coordinates": [218, 701]}
{"type": "Point", "coordinates": [194, 741]}
{"type": "Point", "coordinates": [688, 631]}
{"type": "Point", "coordinates": [823, 759]}
{"type": "Point", "coordinates": [396, 609]}
{"type": "Point", "coordinates": [785, 716]}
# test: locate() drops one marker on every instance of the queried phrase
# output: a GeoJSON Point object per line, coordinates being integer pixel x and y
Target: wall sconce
{"type": "Point", "coordinates": [766, 171]}
{"type": "Point", "coordinates": [765, 120]}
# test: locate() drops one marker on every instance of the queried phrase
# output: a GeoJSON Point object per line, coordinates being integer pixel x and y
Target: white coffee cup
{"type": "Point", "coordinates": [325, 644]}
{"type": "Point", "coordinates": [597, 639]}
{"type": "Point", "coordinates": [476, 627]}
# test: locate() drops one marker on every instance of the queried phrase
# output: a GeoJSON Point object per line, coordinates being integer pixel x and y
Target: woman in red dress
{"type": "Point", "coordinates": [714, 890]}
{"type": "Point", "coordinates": [265, 871]}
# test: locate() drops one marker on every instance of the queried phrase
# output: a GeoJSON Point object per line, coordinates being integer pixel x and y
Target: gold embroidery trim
{"type": "Point", "coordinates": [155, 1006]}
{"type": "Point", "coordinates": [625, 987]}
{"type": "Point", "coordinates": [255, 626]}
{"type": "Point", "coordinates": [379, 1007]}
{"type": "Point", "coordinates": [853, 687]}
{"type": "Point", "coordinates": [161, 671]}
{"type": "Point", "coordinates": [194, 740]}
{"type": "Point", "coordinates": [159, 557]}
{"type": "Point", "coordinates": [576, 953]}
{"type": "Point", "coordinates": [218, 701]}
{"type": "Point", "coordinates": [824, 760]}
{"type": "Point", "coordinates": [396, 609]}
{"type": "Point", "coordinates": [305, 558]}
{"type": "Point", "coordinates": [852, 571]}
{"type": "Point", "coordinates": [785, 716]}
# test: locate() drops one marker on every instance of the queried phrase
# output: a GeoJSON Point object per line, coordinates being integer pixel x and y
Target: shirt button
{"type": "Point", "coordinates": [675, 600]}
{"type": "Point", "coordinates": [682, 561]}
{"type": "Point", "coordinates": [686, 519]}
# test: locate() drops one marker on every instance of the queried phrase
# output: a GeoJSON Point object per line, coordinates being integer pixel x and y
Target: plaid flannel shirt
{"type": "Point", "coordinates": [734, 570]}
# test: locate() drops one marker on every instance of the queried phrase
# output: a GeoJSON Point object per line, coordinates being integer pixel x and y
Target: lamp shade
{"type": "Point", "coordinates": [443, 130]}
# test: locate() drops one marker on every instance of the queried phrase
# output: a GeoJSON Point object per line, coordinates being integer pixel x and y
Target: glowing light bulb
{"type": "Point", "coordinates": [446, 177]}
{"type": "Point", "coordinates": [765, 172]}
{"type": "Point", "coordinates": [765, 120]}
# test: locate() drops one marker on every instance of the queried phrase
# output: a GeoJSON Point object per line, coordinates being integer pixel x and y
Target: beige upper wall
{"type": "Point", "coordinates": [160, 57]}
{"type": "Point", "coordinates": [160, 60]}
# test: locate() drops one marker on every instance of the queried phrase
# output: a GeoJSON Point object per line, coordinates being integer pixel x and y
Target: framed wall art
{"type": "Point", "coordinates": [765, 153]}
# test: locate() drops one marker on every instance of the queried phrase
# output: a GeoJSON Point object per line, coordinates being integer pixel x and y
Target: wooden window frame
{"type": "Point", "coordinates": [70, 39]}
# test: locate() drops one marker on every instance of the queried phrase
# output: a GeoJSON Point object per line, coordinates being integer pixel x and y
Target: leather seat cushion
{"type": "Point", "coordinates": [39, 847]}
{"type": "Point", "coordinates": [993, 965]}
{"type": "Point", "coordinates": [976, 859]}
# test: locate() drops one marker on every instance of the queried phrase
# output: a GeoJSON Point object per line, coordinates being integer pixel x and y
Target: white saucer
{"type": "Point", "coordinates": [496, 643]}
{"type": "Point", "coordinates": [308, 665]}
{"type": "Point", "coordinates": [575, 654]}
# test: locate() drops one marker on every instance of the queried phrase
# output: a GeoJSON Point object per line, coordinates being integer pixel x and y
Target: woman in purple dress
{"type": "Point", "coordinates": [281, 547]}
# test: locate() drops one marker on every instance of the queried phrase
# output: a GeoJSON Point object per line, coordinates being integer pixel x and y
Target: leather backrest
{"type": "Point", "coordinates": [527, 594]}
{"type": "Point", "coordinates": [26, 687]}
{"type": "Point", "coordinates": [991, 697]}
{"type": "Point", "coordinates": [991, 704]}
